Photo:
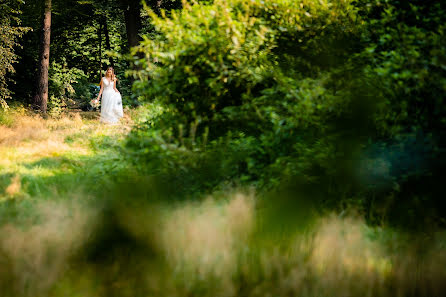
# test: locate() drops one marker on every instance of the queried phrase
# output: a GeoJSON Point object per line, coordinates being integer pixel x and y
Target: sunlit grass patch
{"type": "Point", "coordinates": [24, 128]}
{"type": "Point", "coordinates": [54, 156]}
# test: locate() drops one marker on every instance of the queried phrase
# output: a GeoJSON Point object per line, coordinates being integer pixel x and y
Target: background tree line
{"type": "Point", "coordinates": [86, 36]}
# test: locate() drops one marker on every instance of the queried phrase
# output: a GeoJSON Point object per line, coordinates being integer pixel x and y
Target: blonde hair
{"type": "Point", "coordinates": [113, 76]}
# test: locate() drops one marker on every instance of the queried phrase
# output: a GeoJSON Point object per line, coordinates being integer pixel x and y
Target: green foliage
{"type": "Point", "coordinates": [101, 229]}
{"type": "Point", "coordinates": [209, 57]}
{"type": "Point", "coordinates": [78, 41]}
{"type": "Point", "coordinates": [405, 53]}
{"type": "Point", "coordinates": [402, 56]}
{"type": "Point", "coordinates": [220, 70]}
{"type": "Point", "coordinates": [329, 95]}
{"type": "Point", "coordinates": [10, 32]}
{"type": "Point", "coordinates": [67, 85]}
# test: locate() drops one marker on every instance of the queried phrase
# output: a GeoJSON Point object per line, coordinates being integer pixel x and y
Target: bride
{"type": "Point", "coordinates": [111, 107]}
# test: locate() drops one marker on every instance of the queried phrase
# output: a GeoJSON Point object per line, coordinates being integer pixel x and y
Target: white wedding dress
{"type": "Point", "coordinates": [111, 105]}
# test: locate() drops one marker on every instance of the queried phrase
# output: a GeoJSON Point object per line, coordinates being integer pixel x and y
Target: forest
{"type": "Point", "coordinates": [267, 148]}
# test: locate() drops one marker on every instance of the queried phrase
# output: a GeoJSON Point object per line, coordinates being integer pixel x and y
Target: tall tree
{"type": "Point", "coordinates": [41, 96]}
{"type": "Point", "coordinates": [100, 48]}
{"type": "Point", "coordinates": [132, 14]}
{"type": "Point", "coordinates": [107, 38]}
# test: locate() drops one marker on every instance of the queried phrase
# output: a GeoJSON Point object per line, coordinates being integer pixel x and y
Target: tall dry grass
{"type": "Point", "coordinates": [31, 135]}
{"type": "Point", "coordinates": [33, 257]}
{"type": "Point", "coordinates": [26, 138]}
{"type": "Point", "coordinates": [209, 248]}
{"type": "Point", "coordinates": [22, 127]}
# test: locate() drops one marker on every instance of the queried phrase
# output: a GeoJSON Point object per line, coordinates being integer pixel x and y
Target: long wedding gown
{"type": "Point", "coordinates": [111, 106]}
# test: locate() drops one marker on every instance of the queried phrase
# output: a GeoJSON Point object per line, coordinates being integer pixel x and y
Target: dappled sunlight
{"type": "Point", "coordinates": [48, 148]}
{"type": "Point", "coordinates": [34, 130]}
{"type": "Point", "coordinates": [212, 244]}
{"type": "Point", "coordinates": [25, 128]}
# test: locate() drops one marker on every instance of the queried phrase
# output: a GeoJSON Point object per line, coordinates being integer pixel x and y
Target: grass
{"type": "Point", "coordinates": [75, 220]}
{"type": "Point", "coordinates": [55, 158]}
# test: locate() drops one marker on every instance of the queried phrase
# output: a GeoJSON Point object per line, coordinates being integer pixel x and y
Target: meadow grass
{"type": "Point", "coordinates": [75, 220]}
{"type": "Point", "coordinates": [51, 159]}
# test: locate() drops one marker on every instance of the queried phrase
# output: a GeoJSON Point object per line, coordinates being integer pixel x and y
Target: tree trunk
{"type": "Point", "coordinates": [132, 14]}
{"type": "Point", "coordinates": [107, 40]}
{"type": "Point", "coordinates": [41, 96]}
{"type": "Point", "coordinates": [100, 49]}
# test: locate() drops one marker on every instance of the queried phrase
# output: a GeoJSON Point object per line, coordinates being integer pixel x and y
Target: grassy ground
{"type": "Point", "coordinates": [71, 224]}
{"type": "Point", "coordinates": [42, 158]}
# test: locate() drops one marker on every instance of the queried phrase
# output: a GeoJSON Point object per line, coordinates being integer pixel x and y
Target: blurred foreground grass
{"type": "Point", "coordinates": [77, 220]}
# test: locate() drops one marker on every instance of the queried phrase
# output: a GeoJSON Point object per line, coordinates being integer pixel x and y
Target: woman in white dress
{"type": "Point", "coordinates": [111, 106]}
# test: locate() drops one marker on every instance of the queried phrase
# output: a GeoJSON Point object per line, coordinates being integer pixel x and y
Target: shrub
{"type": "Point", "coordinates": [300, 91]}
{"type": "Point", "coordinates": [67, 86]}
{"type": "Point", "coordinates": [222, 70]}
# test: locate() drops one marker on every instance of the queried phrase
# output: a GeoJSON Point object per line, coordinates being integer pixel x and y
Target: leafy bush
{"type": "Point", "coordinates": [405, 53]}
{"type": "Point", "coordinates": [219, 69]}
{"type": "Point", "coordinates": [66, 86]}
{"type": "Point", "coordinates": [304, 91]}
{"type": "Point", "coordinates": [208, 57]}
{"type": "Point", "coordinates": [404, 56]}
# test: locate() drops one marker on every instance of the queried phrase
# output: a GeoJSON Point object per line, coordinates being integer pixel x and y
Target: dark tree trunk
{"type": "Point", "coordinates": [132, 14]}
{"type": "Point", "coordinates": [100, 49]}
{"type": "Point", "coordinates": [40, 99]}
{"type": "Point", "coordinates": [107, 40]}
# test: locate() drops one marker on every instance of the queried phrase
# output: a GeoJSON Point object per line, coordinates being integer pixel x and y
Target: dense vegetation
{"type": "Point", "coordinates": [345, 97]}
{"type": "Point", "coordinates": [275, 147]}
{"type": "Point", "coordinates": [10, 31]}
